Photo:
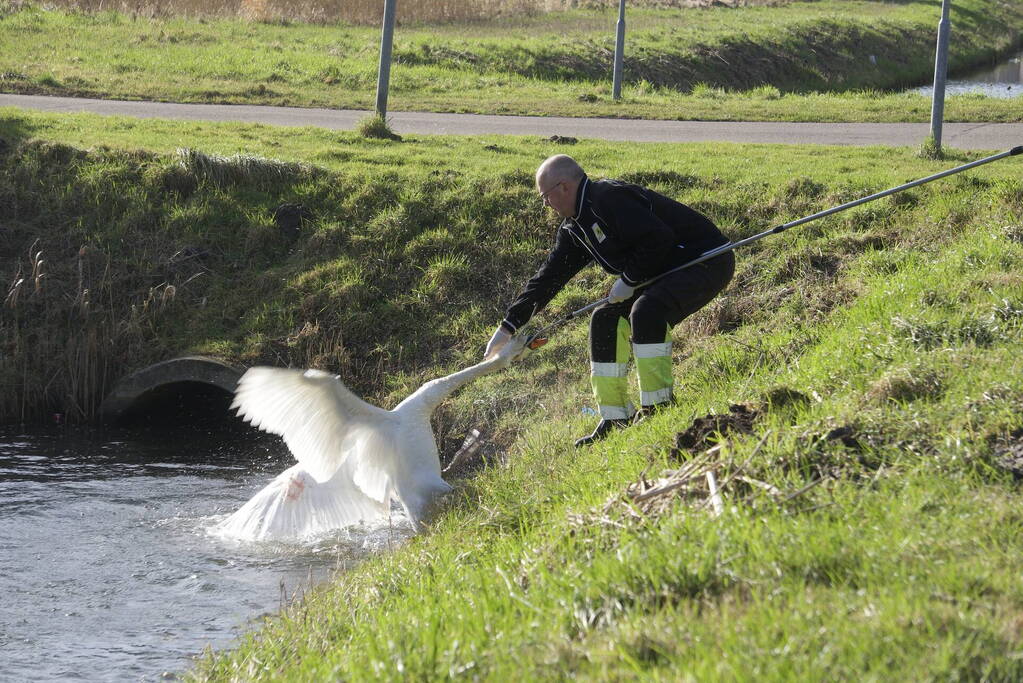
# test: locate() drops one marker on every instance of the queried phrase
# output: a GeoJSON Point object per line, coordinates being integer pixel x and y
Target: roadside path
{"type": "Point", "coordinates": [987, 136]}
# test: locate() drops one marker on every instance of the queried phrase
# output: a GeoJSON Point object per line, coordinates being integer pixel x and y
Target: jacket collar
{"type": "Point", "coordinates": [581, 196]}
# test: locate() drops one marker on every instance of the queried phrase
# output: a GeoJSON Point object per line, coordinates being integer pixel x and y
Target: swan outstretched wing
{"type": "Point", "coordinates": [319, 418]}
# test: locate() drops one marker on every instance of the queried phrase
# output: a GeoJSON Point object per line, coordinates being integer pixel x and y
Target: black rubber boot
{"type": "Point", "coordinates": [649, 411]}
{"type": "Point", "coordinates": [604, 427]}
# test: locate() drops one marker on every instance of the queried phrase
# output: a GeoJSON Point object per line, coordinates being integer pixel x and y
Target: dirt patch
{"type": "Point", "coordinates": [818, 454]}
{"type": "Point", "coordinates": [846, 435]}
{"type": "Point", "coordinates": [845, 451]}
{"type": "Point", "coordinates": [706, 431]}
{"type": "Point", "coordinates": [783, 397]}
{"type": "Point", "coordinates": [1010, 456]}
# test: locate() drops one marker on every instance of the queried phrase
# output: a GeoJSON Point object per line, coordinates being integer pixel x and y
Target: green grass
{"type": "Point", "coordinates": [898, 322]}
{"type": "Point", "coordinates": [376, 126]}
{"type": "Point", "coordinates": [836, 60]}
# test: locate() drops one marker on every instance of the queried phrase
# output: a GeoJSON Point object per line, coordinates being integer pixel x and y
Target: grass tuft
{"type": "Point", "coordinates": [376, 127]}
{"type": "Point", "coordinates": [242, 169]}
{"type": "Point", "coordinates": [906, 384]}
{"type": "Point", "coordinates": [930, 149]}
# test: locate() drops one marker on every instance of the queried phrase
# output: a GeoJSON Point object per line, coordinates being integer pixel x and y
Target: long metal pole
{"type": "Point", "coordinates": [616, 87]}
{"type": "Point", "coordinates": [540, 335]}
{"type": "Point", "coordinates": [940, 73]}
{"type": "Point", "coordinates": [384, 71]}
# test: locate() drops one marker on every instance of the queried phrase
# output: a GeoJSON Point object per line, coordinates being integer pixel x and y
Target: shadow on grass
{"type": "Point", "coordinates": [13, 129]}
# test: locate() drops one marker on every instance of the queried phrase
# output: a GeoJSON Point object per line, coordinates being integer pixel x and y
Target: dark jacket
{"type": "Point", "coordinates": [628, 230]}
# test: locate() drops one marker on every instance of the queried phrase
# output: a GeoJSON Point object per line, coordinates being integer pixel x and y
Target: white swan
{"type": "Point", "coordinates": [353, 458]}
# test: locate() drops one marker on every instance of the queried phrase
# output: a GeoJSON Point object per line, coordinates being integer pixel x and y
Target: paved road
{"type": "Point", "coordinates": [987, 136]}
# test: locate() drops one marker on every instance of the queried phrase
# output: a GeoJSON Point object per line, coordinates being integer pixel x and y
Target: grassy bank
{"type": "Point", "coordinates": [875, 532]}
{"type": "Point", "coordinates": [836, 60]}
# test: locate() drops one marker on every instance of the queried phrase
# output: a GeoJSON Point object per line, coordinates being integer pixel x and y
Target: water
{"type": "Point", "coordinates": [107, 569]}
{"type": "Point", "coordinates": [1003, 80]}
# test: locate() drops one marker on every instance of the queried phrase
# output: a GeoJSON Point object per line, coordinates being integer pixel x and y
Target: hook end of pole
{"type": "Point", "coordinates": [1018, 149]}
{"type": "Point", "coordinates": [536, 342]}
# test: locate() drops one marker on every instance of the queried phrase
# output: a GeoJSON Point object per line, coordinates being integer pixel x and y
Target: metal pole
{"type": "Point", "coordinates": [539, 338]}
{"type": "Point", "coordinates": [616, 88]}
{"type": "Point", "coordinates": [384, 72]}
{"type": "Point", "coordinates": [940, 72]}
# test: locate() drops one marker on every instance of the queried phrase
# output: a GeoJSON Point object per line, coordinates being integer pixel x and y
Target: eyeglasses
{"type": "Point", "coordinates": [545, 195]}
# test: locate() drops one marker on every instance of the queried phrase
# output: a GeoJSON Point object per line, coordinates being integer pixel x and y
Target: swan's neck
{"type": "Point", "coordinates": [429, 396]}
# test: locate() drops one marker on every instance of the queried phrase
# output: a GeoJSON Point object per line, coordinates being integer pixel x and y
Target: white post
{"type": "Point", "coordinates": [616, 88]}
{"type": "Point", "coordinates": [940, 72]}
{"type": "Point", "coordinates": [384, 72]}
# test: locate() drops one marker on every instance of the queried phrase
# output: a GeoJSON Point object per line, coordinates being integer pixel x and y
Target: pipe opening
{"type": "Point", "coordinates": [187, 403]}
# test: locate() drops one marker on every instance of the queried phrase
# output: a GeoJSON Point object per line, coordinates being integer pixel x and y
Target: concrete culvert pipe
{"type": "Point", "coordinates": [187, 390]}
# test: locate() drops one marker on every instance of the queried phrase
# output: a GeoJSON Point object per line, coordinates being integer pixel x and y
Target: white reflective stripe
{"type": "Point", "coordinates": [652, 350]}
{"type": "Point", "coordinates": [609, 369]}
{"type": "Point", "coordinates": [649, 398]}
{"type": "Point", "coordinates": [616, 412]}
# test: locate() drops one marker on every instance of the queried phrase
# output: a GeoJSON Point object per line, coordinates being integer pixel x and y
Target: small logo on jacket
{"type": "Point", "coordinates": [598, 232]}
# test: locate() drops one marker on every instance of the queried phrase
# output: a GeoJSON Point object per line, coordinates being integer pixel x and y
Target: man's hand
{"type": "Point", "coordinates": [620, 291]}
{"type": "Point", "coordinates": [500, 338]}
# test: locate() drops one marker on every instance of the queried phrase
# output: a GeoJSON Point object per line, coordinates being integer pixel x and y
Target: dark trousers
{"type": "Point", "coordinates": [656, 309]}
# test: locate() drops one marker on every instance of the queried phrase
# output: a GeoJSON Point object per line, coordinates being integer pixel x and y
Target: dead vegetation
{"type": "Point", "coordinates": [712, 483]}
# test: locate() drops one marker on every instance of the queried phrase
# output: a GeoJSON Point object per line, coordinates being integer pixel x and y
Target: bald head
{"type": "Point", "coordinates": [556, 169]}
{"type": "Point", "coordinates": [557, 181]}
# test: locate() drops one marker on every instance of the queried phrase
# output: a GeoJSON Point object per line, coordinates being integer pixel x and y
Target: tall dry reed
{"type": "Point", "coordinates": [68, 332]}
